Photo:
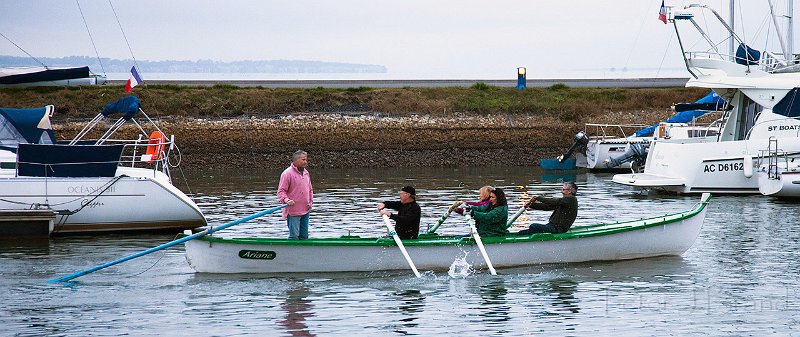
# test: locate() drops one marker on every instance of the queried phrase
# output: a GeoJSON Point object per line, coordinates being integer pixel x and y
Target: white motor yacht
{"type": "Point", "coordinates": [762, 87]}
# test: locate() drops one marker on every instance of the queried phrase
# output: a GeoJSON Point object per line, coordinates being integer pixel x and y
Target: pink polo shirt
{"type": "Point", "coordinates": [296, 185]}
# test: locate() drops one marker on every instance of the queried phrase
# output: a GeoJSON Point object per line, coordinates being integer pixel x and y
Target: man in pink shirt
{"type": "Point", "coordinates": [295, 190]}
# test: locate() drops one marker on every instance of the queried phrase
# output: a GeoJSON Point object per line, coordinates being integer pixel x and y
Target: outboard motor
{"type": "Point", "coordinates": [580, 144]}
{"type": "Point", "coordinates": [636, 153]}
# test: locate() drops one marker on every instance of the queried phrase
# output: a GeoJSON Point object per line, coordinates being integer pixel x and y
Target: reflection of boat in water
{"type": "Point", "coordinates": [762, 89]}
{"type": "Point", "coordinates": [670, 234]}
{"type": "Point", "coordinates": [94, 186]}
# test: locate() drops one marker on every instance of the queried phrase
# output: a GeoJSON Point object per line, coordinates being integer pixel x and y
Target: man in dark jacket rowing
{"type": "Point", "coordinates": [408, 213]}
{"type": "Point", "coordinates": [565, 210]}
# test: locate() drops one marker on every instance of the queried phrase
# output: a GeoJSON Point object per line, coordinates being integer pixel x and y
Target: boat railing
{"type": "Point", "coordinates": [777, 63]}
{"type": "Point", "coordinates": [142, 152]}
{"type": "Point", "coordinates": [705, 55]}
{"type": "Point", "coordinates": [774, 156]}
{"type": "Point", "coordinates": [769, 62]}
{"type": "Point", "coordinates": [607, 131]}
{"type": "Point", "coordinates": [697, 130]}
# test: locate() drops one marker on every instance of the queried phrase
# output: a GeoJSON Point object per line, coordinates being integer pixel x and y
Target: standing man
{"type": "Point", "coordinates": [565, 210]}
{"type": "Point", "coordinates": [295, 190]}
{"type": "Point", "coordinates": [408, 213]}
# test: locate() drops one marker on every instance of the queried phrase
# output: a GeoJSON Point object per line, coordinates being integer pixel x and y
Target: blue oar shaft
{"type": "Point", "coordinates": [168, 244]}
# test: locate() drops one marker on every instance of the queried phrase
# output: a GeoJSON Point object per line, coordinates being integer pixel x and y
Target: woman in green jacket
{"type": "Point", "coordinates": [491, 219]}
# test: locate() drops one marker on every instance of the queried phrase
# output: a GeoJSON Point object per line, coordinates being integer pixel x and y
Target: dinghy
{"type": "Point", "coordinates": [670, 234]}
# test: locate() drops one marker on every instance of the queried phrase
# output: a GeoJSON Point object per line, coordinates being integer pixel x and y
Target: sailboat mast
{"type": "Point", "coordinates": [790, 29]}
{"type": "Point", "coordinates": [786, 53]}
{"type": "Point", "coordinates": [731, 22]}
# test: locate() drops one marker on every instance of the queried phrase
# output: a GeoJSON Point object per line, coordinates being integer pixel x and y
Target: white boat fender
{"type": "Point", "coordinates": [748, 166]}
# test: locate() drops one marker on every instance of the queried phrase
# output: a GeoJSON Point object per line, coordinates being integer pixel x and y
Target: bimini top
{"type": "Point", "coordinates": [686, 112]}
{"type": "Point", "coordinates": [26, 126]}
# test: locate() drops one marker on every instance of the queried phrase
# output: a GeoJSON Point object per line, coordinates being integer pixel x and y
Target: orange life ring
{"type": "Point", "coordinates": [155, 147]}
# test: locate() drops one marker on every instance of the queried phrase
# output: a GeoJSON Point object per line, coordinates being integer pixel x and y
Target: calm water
{"type": "Point", "coordinates": [739, 278]}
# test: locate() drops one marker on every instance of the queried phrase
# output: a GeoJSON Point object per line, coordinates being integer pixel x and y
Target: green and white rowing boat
{"type": "Point", "coordinates": [670, 234]}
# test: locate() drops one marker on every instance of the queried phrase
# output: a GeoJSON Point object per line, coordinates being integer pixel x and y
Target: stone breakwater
{"type": "Point", "coordinates": [365, 140]}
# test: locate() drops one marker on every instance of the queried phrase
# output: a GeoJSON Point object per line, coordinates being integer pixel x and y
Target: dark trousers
{"type": "Point", "coordinates": [539, 228]}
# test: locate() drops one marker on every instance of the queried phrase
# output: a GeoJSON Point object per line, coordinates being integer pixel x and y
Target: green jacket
{"type": "Point", "coordinates": [491, 222]}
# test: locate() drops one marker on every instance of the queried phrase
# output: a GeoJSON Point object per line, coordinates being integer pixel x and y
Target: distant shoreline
{"type": "Point", "coordinates": [354, 83]}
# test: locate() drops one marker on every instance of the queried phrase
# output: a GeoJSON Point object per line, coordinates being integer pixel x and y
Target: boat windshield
{"type": "Point", "coordinates": [747, 118]}
{"type": "Point", "coordinates": [20, 126]}
{"type": "Point", "coordinates": [786, 106]}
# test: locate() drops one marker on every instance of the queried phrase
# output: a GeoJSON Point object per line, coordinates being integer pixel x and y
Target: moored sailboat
{"type": "Point", "coordinates": [101, 185]}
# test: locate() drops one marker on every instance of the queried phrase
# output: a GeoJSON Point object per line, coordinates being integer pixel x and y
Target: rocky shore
{"type": "Point", "coordinates": [346, 128]}
{"type": "Point", "coordinates": [367, 140]}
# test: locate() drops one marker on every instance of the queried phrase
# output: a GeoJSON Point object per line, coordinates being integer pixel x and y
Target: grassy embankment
{"type": "Point", "coordinates": [227, 126]}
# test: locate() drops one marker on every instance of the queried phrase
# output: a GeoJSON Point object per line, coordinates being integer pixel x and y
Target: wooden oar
{"type": "Point", "coordinates": [444, 217]}
{"type": "Point", "coordinates": [168, 244]}
{"type": "Point", "coordinates": [478, 241]}
{"type": "Point", "coordinates": [399, 243]}
{"type": "Point", "coordinates": [516, 215]}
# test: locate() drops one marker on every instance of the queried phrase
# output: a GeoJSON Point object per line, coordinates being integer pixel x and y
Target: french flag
{"type": "Point", "coordinates": [662, 13]}
{"type": "Point", "coordinates": [133, 81]}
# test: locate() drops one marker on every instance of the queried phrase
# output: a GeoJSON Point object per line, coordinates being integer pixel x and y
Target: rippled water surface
{"type": "Point", "coordinates": [739, 278]}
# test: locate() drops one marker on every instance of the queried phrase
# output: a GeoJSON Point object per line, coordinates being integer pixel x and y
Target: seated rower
{"type": "Point", "coordinates": [565, 210]}
{"type": "Point", "coordinates": [408, 213]}
{"type": "Point", "coordinates": [490, 219]}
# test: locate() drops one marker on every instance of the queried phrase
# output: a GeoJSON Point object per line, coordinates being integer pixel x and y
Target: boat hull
{"type": "Point", "coordinates": [122, 203]}
{"type": "Point", "coordinates": [668, 235]}
{"type": "Point", "coordinates": [554, 164]}
{"type": "Point", "coordinates": [713, 167]}
{"type": "Point", "coordinates": [787, 185]}
{"type": "Point", "coordinates": [600, 151]}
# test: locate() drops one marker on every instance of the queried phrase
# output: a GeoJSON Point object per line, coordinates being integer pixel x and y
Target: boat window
{"type": "Point", "coordinates": [8, 133]}
{"type": "Point", "coordinates": [702, 133]}
{"type": "Point", "coordinates": [789, 106]}
{"type": "Point", "coordinates": [748, 116]}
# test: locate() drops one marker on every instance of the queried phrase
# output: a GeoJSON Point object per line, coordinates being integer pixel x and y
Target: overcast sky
{"type": "Point", "coordinates": [412, 38]}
